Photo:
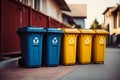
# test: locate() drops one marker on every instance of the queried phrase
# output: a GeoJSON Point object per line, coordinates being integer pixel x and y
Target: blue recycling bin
{"type": "Point", "coordinates": [31, 46]}
{"type": "Point", "coordinates": [51, 47]}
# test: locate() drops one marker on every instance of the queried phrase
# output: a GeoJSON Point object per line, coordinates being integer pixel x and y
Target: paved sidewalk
{"type": "Point", "coordinates": [110, 70]}
{"type": "Point", "coordinates": [42, 73]}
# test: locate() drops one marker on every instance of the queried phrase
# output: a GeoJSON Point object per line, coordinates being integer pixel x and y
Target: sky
{"type": "Point", "coordinates": [95, 8]}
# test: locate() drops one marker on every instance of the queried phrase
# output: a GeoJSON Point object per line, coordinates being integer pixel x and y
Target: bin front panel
{"type": "Point", "coordinates": [31, 48]}
{"type": "Point", "coordinates": [98, 52]}
{"type": "Point", "coordinates": [69, 49]}
{"type": "Point", "coordinates": [84, 48]}
{"type": "Point", "coordinates": [53, 49]}
{"type": "Point", "coordinates": [34, 49]}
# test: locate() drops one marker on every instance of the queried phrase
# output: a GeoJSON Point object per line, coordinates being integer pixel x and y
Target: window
{"type": "Point", "coordinates": [37, 5]}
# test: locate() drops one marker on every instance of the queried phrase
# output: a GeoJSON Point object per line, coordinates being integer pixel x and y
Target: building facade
{"type": "Point", "coordinates": [112, 23]}
{"type": "Point", "coordinates": [51, 8]}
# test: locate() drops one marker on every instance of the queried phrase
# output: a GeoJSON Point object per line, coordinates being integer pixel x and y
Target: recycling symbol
{"type": "Point", "coordinates": [54, 40]}
{"type": "Point", "coordinates": [87, 41]}
{"type": "Point", "coordinates": [71, 40]}
{"type": "Point", "coordinates": [101, 41]}
{"type": "Point", "coordinates": [35, 41]}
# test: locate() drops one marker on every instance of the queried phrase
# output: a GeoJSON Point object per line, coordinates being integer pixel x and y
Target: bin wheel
{"type": "Point", "coordinates": [21, 62]}
{"type": "Point", "coordinates": [103, 62]}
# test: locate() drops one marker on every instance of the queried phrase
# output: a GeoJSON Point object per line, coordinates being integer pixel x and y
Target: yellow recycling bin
{"type": "Point", "coordinates": [68, 46]}
{"type": "Point", "coordinates": [99, 45]}
{"type": "Point", "coordinates": [84, 46]}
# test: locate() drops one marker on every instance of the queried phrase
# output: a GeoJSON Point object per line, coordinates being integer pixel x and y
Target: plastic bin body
{"type": "Point", "coordinates": [84, 46]}
{"type": "Point", "coordinates": [51, 53]}
{"type": "Point", "coordinates": [68, 46]}
{"type": "Point", "coordinates": [31, 45]}
{"type": "Point", "coordinates": [99, 46]}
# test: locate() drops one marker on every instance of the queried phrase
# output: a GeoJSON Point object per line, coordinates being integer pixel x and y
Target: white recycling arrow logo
{"type": "Point", "coordinates": [54, 40]}
{"type": "Point", "coordinates": [35, 41]}
{"type": "Point", "coordinates": [101, 41]}
{"type": "Point", "coordinates": [71, 40]}
{"type": "Point", "coordinates": [87, 41]}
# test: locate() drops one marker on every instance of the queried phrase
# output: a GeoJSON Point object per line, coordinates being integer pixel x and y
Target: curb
{"type": "Point", "coordinates": [8, 63]}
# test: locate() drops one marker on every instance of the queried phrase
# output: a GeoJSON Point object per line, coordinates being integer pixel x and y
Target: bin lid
{"type": "Point", "coordinates": [54, 30]}
{"type": "Point", "coordinates": [31, 29]}
{"type": "Point", "coordinates": [70, 30]}
{"type": "Point", "coordinates": [86, 31]}
{"type": "Point", "coordinates": [101, 31]}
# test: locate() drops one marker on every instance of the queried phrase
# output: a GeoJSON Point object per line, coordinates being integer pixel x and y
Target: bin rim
{"type": "Point", "coordinates": [101, 31]}
{"type": "Point", "coordinates": [54, 30]}
{"type": "Point", "coordinates": [86, 31]}
{"type": "Point", "coordinates": [70, 30]}
{"type": "Point", "coordinates": [31, 29]}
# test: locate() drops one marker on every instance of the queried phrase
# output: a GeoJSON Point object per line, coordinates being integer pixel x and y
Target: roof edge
{"type": "Point", "coordinates": [63, 5]}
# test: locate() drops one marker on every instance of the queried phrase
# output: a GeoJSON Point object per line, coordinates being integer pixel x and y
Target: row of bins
{"type": "Point", "coordinates": [50, 46]}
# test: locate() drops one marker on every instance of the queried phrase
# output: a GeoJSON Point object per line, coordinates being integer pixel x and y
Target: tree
{"type": "Point", "coordinates": [95, 25]}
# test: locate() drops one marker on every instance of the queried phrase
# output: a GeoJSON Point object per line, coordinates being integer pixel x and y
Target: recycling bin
{"type": "Point", "coordinates": [84, 46]}
{"type": "Point", "coordinates": [51, 52]}
{"type": "Point", "coordinates": [99, 46]}
{"type": "Point", "coordinates": [31, 46]}
{"type": "Point", "coordinates": [68, 46]}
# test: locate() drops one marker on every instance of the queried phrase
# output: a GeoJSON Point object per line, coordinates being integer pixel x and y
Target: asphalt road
{"type": "Point", "coordinates": [110, 70]}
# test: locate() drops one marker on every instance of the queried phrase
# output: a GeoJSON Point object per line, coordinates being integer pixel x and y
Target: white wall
{"type": "Point", "coordinates": [118, 19]}
{"type": "Point", "coordinates": [30, 2]}
{"type": "Point", "coordinates": [44, 6]}
{"type": "Point", "coordinates": [48, 7]}
{"type": "Point", "coordinates": [54, 10]}
{"type": "Point", "coordinates": [109, 20]}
